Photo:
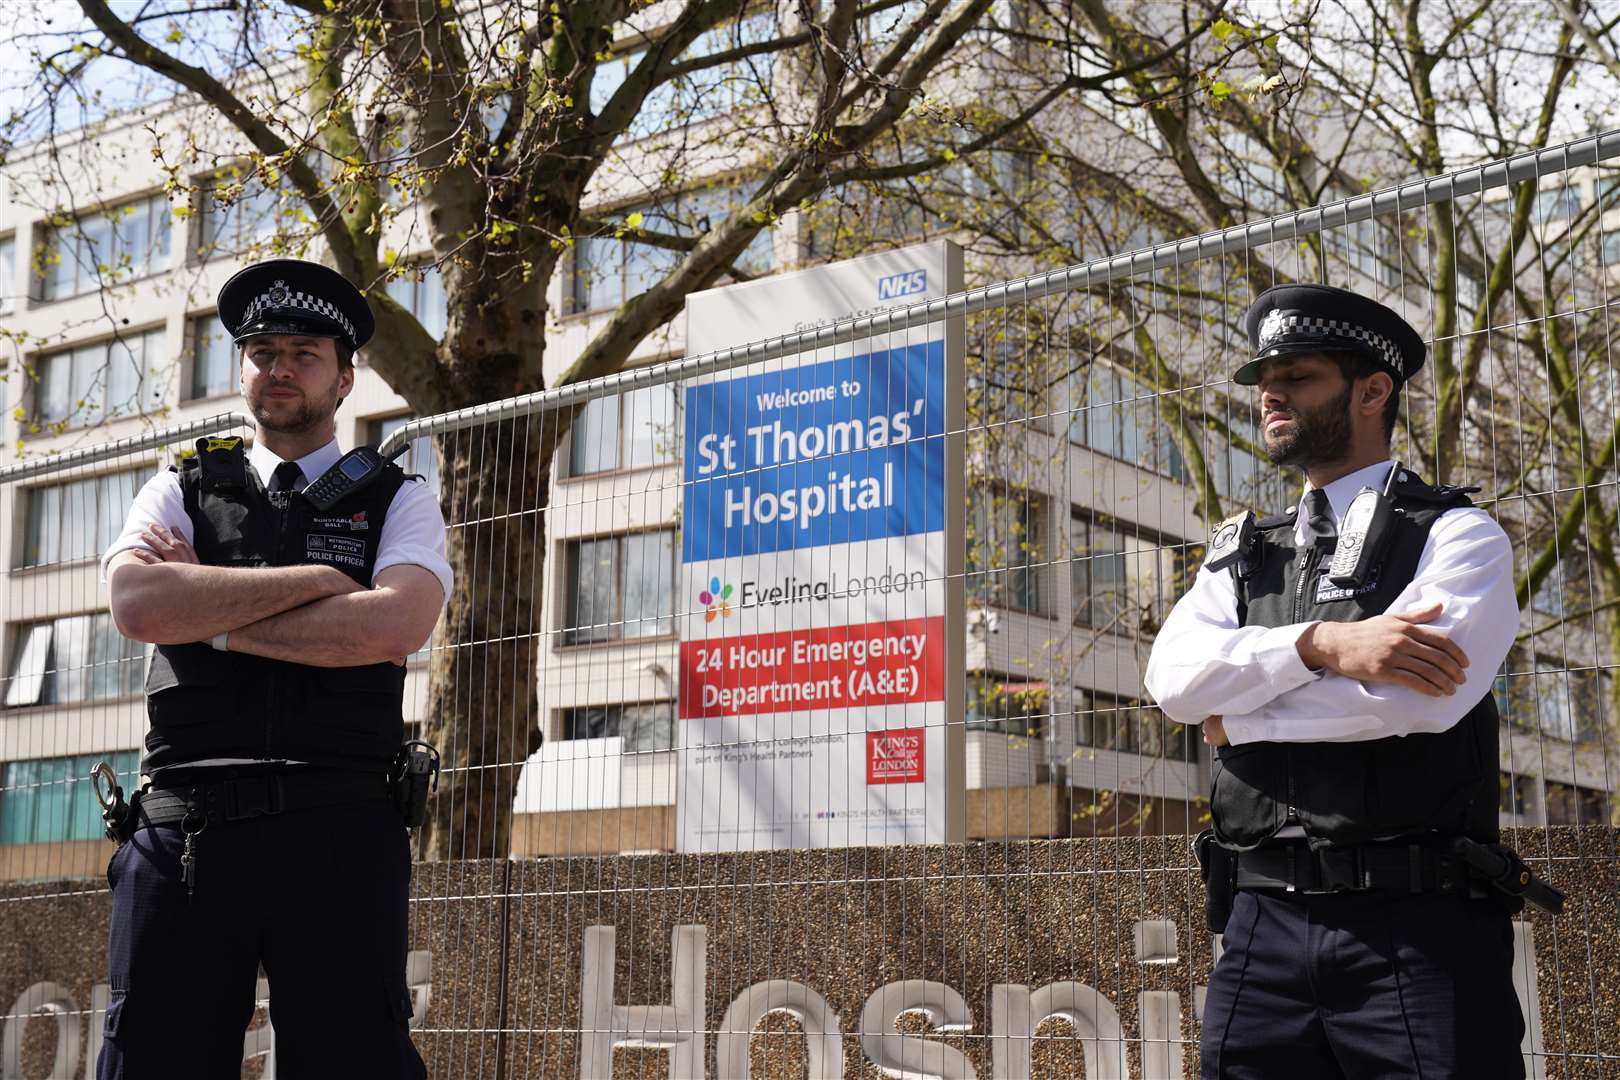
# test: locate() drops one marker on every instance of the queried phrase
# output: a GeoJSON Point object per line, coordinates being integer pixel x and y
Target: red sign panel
{"type": "Point", "coordinates": [894, 757]}
{"type": "Point", "coordinates": [901, 662]}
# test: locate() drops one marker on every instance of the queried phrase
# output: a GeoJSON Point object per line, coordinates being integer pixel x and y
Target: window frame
{"type": "Point", "coordinates": [48, 667]}
{"type": "Point", "coordinates": [623, 432]}
{"type": "Point", "coordinates": [80, 795]}
{"type": "Point", "coordinates": [157, 259]}
{"type": "Point", "coordinates": [78, 419]}
{"type": "Point", "coordinates": [192, 356]}
{"type": "Point", "coordinates": [616, 711]}
{"type": "Point", "coordinates": [9, 294]}
{"type": "Point", "coordinates": [567, 623]}
{"type": "Point", "coordinates": [26, 558]}
{"type": "Point", "coordinates": [987, 591]}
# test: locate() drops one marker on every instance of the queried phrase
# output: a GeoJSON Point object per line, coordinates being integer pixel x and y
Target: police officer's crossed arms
{"type": "Point", "coordinates": [1340, 657]}
{"type": "Point", "coordinates": [283, 597]}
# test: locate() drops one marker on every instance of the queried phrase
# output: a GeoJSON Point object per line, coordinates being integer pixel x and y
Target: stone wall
{"type": "Point", "coordinates": [999, 953]}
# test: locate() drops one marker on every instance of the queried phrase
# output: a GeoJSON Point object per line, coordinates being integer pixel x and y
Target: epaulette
{"type": "Point", "coordinates": [1409, 486]}
{"type": "Point", "coordinates": [223, 463]}
{"type": "Point", "coordinates": [1277, 521]}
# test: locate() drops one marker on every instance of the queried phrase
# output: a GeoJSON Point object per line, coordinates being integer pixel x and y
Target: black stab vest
{"type": "Point", "coordinates": [1347, 793]}
{"type": "Point", "coordinates": [203, 703]}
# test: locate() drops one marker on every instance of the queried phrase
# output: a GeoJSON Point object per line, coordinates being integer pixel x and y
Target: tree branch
{"type": "Point", "coordinates": [138, 51]}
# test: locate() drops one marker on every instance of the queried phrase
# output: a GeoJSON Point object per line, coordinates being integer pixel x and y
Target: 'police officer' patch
{"type": "Point", "coordinates": [342, 550]}
{"type": "Point", "coordinates": [1327, 592]}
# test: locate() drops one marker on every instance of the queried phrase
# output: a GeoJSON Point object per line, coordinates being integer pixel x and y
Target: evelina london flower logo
{"type": "Point", "coordinates": [716, 600]}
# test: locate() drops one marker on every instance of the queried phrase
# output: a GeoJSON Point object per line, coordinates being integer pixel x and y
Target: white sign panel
{"type": "Point", "coordinates": [821, 650]}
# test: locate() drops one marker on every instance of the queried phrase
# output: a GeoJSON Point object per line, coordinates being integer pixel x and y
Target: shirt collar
{"type": "Point", "coordinates": [312, 465]}
{"type": "Point", "coordinates": [1342, 492]}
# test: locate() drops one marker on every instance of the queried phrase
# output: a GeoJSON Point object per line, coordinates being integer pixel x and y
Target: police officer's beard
{"type": "Point", "coordinates": [1320, 436]}
{"type": "Point", "coordinates": [311, 413]}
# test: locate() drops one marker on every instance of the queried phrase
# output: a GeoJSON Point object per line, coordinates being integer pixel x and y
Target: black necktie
{"type": "Point", "coordinates": [287, 478]}
{"type": "Point", "coordinates": [1319, 516]}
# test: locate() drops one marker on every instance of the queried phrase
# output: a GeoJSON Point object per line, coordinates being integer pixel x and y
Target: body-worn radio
{"type": "Point", "coordinates": [1363, 535]}
{"type": "Point", "coordinates": [352, 472]}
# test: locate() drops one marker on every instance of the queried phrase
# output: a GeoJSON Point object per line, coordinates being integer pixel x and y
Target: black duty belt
{"type": "Point", "coordinates": [263, 795]}
{"type": "Point", "coordinates": [1296, 868]}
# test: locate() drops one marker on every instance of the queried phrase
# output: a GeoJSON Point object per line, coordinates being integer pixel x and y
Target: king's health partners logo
{"type": "Point", "coordinates": [716, 600]}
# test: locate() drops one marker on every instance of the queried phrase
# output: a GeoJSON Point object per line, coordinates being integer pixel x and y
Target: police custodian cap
{"type": "Point", "coordinates": [1288, 319]}
{"type": "Point", "coordinates": [291, 296]}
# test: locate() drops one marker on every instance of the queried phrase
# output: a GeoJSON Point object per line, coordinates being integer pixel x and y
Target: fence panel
{"type": "Point", "coordinates": [664, 841]}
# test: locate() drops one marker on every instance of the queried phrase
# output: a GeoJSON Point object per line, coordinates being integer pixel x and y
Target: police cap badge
{"type": "Point", "coordinates": [1290, 319]}
{"type": "Point", "coordinates": [291, 296]}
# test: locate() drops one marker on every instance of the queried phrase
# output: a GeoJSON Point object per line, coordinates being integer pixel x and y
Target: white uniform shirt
{"type": "Point", "coordinates": [413, 530]}
{"type": "Point", "coordinates": [1204, 664]}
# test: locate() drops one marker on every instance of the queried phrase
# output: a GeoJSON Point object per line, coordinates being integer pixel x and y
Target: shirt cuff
{"type": "Point", "coordinates": [1278, 654]}
{"type": "Point", "coordinates": [426, 558]}
{"type": "Point", "coordinates": [1248, 728]}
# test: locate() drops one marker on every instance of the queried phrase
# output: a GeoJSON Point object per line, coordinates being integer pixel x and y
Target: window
{"type": "Point", "coordinates": [1572, 804]}
{"type": "Point", "coordinates": [76, 520]}
{"type": "Point", "coordinates": [701, 95]}
{"type": "Point", "coordinates": [1097, 573]}
{"type": "Point", "coordinates": [1568, 703]}
{"type": "Point", "coordinates": [1011, 706]}
{"type": "Point", "coordinates": [82, 386]}
{"type": "Point", "coordinates": [1516, 794]}
{"type": "Point", "coordinates": [1006, 545]}
{"type": "Point", "coordinates": [234, 214]}
{"type": "Point", "coordinates": [626, 431]}
{"type": "Point", "coordinates": [1555, 203]}
{"type": "Point", "coordinates": [104, 248]}
{"type": "Point", "coordinates": [420, 291]}
{"type": "Point", "coordinates": [620, 587]}
{"type": "Point", "coordinates": [1610, 252]}
{"type": "Point", "coordinates": [8, 275]}
{"type": "Point", "coordinates": [51, 800]}
{"type": "Point", "coordinates": [75, 659]}
{"type": "Point", "coordinates": [1115, 415]}
{"type": "Point", "coordinates": [419, 459]}
{"type": "Point", "coordinates": [648, 725]}
{"type": "Point", "coordinates": [1107, 722]}
{"type": "Point", "coordinates": [214, 364]}
{"type": "Point", "coordinates": [608, 270]}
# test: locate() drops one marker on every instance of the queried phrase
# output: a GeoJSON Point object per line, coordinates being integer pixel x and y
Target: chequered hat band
{"type": "Point", "coordinates": [1280, 329]}
{"type": "Point", "coordinates": [279, 298]}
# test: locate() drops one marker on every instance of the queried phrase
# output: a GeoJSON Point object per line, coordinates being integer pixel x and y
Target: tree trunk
{"type": "Point", "coordinates": [482, 708]}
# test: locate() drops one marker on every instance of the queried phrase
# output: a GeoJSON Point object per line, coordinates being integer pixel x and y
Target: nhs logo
{"type": "Point", "coordinates": [906, 284]}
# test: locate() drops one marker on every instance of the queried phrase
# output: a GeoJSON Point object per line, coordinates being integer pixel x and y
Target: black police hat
{"type": "Point", "coordinates": [1287, 319]}
{"type": "Point", "coordinates": [291, 296]}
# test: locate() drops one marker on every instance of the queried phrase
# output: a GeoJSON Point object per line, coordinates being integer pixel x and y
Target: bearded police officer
{"type": "Point", "coordinates": [282, 617]}
{"type": "Point", "coordinates": [1340, 656]}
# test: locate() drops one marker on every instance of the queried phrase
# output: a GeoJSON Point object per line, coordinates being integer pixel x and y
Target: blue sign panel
{"type": "Point", "coordinates": [830, 453]}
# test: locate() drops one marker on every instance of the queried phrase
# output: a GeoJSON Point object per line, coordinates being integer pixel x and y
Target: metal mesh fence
{"type": "Point", "coordinates": [677, 835]}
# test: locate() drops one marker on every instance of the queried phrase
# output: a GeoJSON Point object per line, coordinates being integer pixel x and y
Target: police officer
{"type": "Point", "coordinates": [1349, 704]}
{"type": "Point", "coordinates": [266, 835]}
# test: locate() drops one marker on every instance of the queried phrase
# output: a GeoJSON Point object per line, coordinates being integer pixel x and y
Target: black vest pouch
{"type": "Point", "coordinates": [1259, 772]}
{"type": "Point", "coordinates": [1338, 803]}
{"type": "Point", "coordinates": [360, 701]}
{"type": "Point", "coordinates": [189, 684]}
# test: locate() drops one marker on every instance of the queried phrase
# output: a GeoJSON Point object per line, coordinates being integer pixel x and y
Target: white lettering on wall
{"type": "Point", "coordinates": [676, 1028]}
{"type": "Point", "coordinates": [824, 1041]}
{"type": "Point", "coordinates": [907, 1057]}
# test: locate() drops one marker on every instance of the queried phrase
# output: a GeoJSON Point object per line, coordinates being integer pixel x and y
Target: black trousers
{"type": "Point", "coordinates": [1362, 986]}
{"type": "Point", "coordinates": [316, 896]}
